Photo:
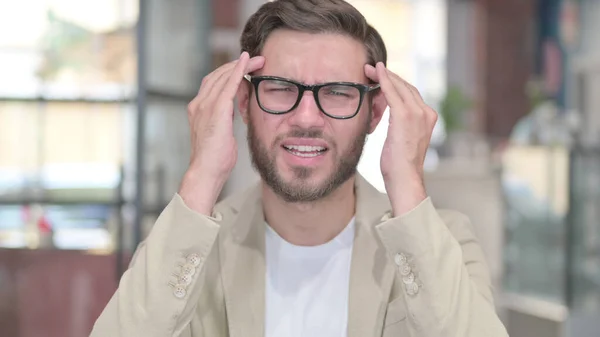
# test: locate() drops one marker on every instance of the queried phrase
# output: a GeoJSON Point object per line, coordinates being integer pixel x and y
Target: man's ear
{"type": "Point", "coordinates": [243, 100]}
{"type": "Point", "coordinates": [378, 106]}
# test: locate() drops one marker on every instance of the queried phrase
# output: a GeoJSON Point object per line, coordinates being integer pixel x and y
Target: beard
{"type": "Point", "coordinates": [300, 189]}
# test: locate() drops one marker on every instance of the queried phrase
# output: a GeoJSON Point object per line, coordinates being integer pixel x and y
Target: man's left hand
{"type": "Point", "coordinates": [408, 137]}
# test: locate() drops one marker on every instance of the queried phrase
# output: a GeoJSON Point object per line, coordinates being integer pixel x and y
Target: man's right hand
{"type": "Point", "coordinates": [214, 150]}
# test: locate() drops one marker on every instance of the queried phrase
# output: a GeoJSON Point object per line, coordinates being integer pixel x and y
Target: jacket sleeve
{"type": "Point", "coordinates": [158, 293]}
{"type": "Point", "coordinates": [445, 278]}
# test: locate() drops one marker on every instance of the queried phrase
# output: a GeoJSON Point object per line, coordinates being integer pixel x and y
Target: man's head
{"type": "Point", "coordinates": [306, 144]}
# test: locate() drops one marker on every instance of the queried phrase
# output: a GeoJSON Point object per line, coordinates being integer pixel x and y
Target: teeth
{"type": "Point", "coordinates": [305, 155]}
{"type": "Point", "coordinates": [304, 148]}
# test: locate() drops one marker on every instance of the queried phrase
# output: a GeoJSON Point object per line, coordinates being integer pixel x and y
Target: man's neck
{"type": "Point", "coordinates": [310, 224]}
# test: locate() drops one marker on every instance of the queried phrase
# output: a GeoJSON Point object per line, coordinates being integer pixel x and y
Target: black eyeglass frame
{"type": "Point", "coordinates": [362, 88]}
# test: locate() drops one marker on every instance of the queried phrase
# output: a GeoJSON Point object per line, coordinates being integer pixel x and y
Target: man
{"type": "Point", "coordinates": [313, 249]}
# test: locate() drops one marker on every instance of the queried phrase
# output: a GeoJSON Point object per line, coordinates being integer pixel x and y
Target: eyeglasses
{"type": "Point", "coordinates": [339, 100]}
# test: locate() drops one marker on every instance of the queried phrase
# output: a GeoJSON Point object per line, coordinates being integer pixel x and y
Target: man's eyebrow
{"type": "Point", "coordinates": [320, 82]}
{"type": "Point", "coordinates": [283, 77]}
{"type": "Point", "coordinates": [329, 81]}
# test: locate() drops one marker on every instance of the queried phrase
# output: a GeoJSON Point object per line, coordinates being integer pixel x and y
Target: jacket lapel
{"type": "Point", "coordinates": [241, 251]}
{"type": "Point", "coordinates": [371, 275]}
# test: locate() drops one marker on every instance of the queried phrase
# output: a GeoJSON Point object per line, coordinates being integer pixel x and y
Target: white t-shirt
{"type": "Point", "coordinates": [307, 287]}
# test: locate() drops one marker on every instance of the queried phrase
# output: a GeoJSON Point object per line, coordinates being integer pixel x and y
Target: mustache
{"type": "Point", "coordinates": [305, 133]}
{"type": "Point", "coordinates": [310, 133]}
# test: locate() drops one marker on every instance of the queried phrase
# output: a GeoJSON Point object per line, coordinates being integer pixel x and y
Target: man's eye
{"type": "Point", "coordinates": [279, 86]}
{"type": "Point", "coordinates": [338, 93]}
{"type": "Point", "coordinates": [280, 89]}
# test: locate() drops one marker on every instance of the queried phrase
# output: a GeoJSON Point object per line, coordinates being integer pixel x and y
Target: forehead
{"type": "Point", "coordinates": [314, 58]}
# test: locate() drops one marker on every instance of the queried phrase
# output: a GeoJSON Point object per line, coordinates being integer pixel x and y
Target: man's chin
{"type": "Point", "coordinates": [295, 183]}
{"type": "Point", "coordinates": [303, 176]}
{"type": "Point", "coordinates": [307, 189]}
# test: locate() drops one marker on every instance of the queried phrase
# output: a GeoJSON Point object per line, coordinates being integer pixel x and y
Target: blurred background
{"type": "Point", "coordinates": [94, 141]}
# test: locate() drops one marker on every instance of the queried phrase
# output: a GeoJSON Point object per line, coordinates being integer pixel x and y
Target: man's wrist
{"type": "Point", "coordinates": [200, 193]}
{"type": "Point", "coordinates": [407, 194]}
{"type": "Point", "coordinates": [405, 204]}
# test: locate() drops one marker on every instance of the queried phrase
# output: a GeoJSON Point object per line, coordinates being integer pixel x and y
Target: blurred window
{"type": "Point", "coordinates": [68, 75]}
{"type": "Point", "coordinates": [536, 190]}
{"type": "Point", "coordinates": [67, 49]}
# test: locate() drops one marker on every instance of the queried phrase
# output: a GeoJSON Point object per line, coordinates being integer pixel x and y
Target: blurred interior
{"type": "Point", "coordinates": [94, 141]}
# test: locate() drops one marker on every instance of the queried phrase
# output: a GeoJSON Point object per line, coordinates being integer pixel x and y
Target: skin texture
{"type": "Point", "coordinates": [308, 202]}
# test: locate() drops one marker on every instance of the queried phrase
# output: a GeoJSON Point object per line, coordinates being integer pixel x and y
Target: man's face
{"type": "Point", "coordinates": [304, 155]}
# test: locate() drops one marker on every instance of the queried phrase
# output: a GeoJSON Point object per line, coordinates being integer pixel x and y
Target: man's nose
{"type": "Point", "coordinates": [307, 114]}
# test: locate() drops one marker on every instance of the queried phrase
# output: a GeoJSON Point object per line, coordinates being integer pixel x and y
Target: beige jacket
{"type": "Point", "coordinates": [418, 275]}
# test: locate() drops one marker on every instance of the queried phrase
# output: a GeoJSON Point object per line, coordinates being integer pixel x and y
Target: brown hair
{"type": "Point", "coordinates": [312, 16]}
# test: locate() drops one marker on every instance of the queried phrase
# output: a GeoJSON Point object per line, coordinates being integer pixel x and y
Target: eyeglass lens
{"type": "Point", "coordinates": [336, 100]}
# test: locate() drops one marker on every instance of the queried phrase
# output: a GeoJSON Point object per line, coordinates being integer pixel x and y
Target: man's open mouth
{"type": "Point", "coordinates": [305, 151]}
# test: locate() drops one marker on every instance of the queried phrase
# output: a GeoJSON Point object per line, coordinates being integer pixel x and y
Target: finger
{"type": "Point", "coordinates": [208, 83]}
{"type": "Point", "coordinates": [234, 79]}
{"type": "Point", "coordinates": [388, 88]}
{"type": "Point", "coordinates": [254, 64]}
{"type": "Point", "coordinates": [237, 74]}
{"type": "Point", "coordinates": [371, 73]}
{"type": "Point", "coordinates": [216, 84]}
{"type": "Point", "coordinates": [404, 91]}
{"type": "Point", "coordinates": [415, 92]}
{"type": "Point", "coordinates": [207, 87]}
{"type": "Point", "coordinates": [418, 99]}
{"type": "Point", "coordinates": [418, 102]}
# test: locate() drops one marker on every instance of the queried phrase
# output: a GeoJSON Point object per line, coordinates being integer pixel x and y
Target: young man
{"type": "Point", "coordinates": [313, 250]}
